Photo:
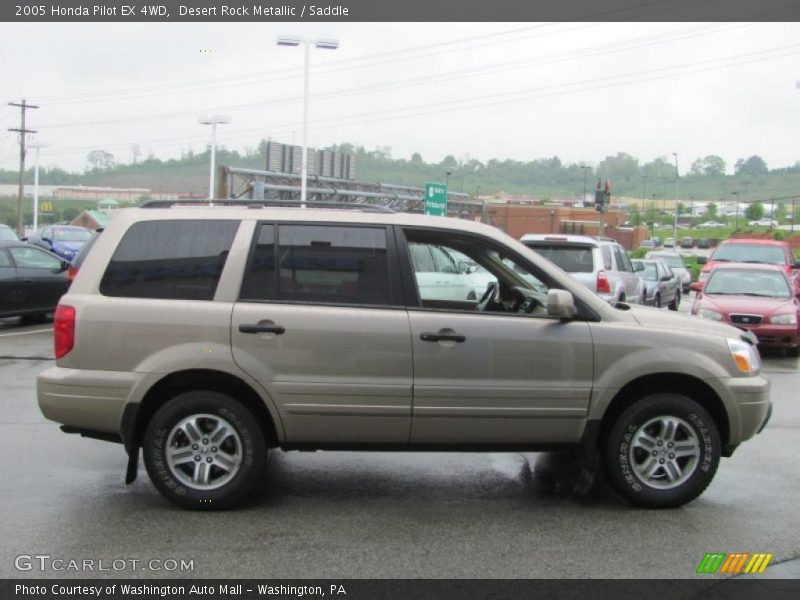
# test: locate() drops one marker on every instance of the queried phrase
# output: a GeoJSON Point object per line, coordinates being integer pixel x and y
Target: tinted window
{"type": "Point", "coordinates": [618, 257]}
{"type": "Point", "coordinates": [31, 258]}
{"type": "Point", "coordinates": [573, 258]}
{"type": "Point", "coordinates": [421, 258]}
{"type": "Point", "coordinates": [170, 260]}
{"type": "Point", "coordinates": [606, 257]}
{"type": "Point", "coordinates": [750, 253]}
{"type": "Point", "coordinates": [319, 263]}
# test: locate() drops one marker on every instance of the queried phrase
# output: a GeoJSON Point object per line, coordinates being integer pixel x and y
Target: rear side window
{"type": "Point", "coordinates": [319, 263]}
{"type": "Point", "coordinates": [172, 260]}
{"type": "Point", "coordinates": [572, 258]}
{"type": "Point", "coordinates": [607, 264]}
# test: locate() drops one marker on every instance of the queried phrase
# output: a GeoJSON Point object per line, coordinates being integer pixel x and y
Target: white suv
{"type": "Point", "coordinates": [601, 264]}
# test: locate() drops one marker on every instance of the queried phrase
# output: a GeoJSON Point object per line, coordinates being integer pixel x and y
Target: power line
{"type": "Point", "coordinates": [491, 69]}
{"type": "Point", "coordinates": [498, 99]}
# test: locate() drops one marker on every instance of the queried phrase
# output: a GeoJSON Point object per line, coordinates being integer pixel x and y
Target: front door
{"type": "Point", "coordinates": [499, 372]}
{"type": "Point", "coordinates": [317, 325]}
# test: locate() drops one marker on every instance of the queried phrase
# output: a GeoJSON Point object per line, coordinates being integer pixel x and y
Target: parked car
{"type": "Point", "coordinates": [669, 242]}
{"type": "Point", "coordinates": [478, 276]}
{"type": "Point", "coordinates": [676, 264]}
{"type": "Point", "coordinates": [62, 240]}
{"type": "Point", "coordinates": [648, 245]}
{"type": "Point", "coordinates": [770, 252]}
{"type": "Point", "coordinates": [439, 276]}
{"type": "Point", "coordinates": [7, 234]}
{"type": "Point", "coordinates": [767, 222]}
{"type": "Point", "coordinates": [703, 243]}
{"type": "Point", "coordinates": [602, 265]}
{"type": "Point", "coordinates": [663, 287]}
{"type": "Point", "coordinates": [656, 241]}
{"type": "Point", "coordinates": [711, 225]}
{"type": "Point", "coordinates": [687, 242]}
{"type": "Point", "coordinates": [32, 281]}
{"type": "Point", "coordinates": [206, 335]}
{"type": "Point", "coordinates": [756, 298]}
{"type": "Point", "coordinates": [77, 261]}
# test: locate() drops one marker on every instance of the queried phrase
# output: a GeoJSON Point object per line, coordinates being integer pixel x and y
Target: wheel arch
{"type": "Point", "coordinates": [135, 421]}
{"type": "Point", "coordinates": [677, 383]}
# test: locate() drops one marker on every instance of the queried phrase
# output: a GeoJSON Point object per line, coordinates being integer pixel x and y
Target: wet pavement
{"type": "Point", "coordinates": [360, 514]}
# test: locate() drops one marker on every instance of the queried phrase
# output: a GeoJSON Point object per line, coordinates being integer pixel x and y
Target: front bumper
{"type": "Point", "coordinates": [750, 397]}
{"type": "Point", "coordinates": [774, 336]}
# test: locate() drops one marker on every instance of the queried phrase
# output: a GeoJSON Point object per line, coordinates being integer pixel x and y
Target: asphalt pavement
{"type": "Point", "coordinates": [360, 514]}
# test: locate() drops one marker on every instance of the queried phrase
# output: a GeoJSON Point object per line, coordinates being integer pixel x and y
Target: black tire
{"type": "Point", "coordinates": [657, 301]}
{"type": "Point", "coordinates": [623, 461]}
{"type": "Point", "coordinates": [245, 441]}
{"type": "Point", "coordinates": [676, 302]}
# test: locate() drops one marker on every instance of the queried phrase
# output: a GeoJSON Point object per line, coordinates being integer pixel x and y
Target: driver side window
{"type": "Point", "coordinates": [470, 275]}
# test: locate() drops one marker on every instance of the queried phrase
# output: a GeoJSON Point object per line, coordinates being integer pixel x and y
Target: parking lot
{"type": "Point", "coordinates": [337, 514]}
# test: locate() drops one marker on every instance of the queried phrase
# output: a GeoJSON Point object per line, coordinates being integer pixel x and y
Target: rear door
{"type": "Point", "coordinates": [320, 325]}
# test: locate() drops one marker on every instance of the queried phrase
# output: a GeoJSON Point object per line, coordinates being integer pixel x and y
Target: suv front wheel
{"type": "Point", "coordinates": [204, 450]}
{"type": "Point", "coordinates": [662, 451]}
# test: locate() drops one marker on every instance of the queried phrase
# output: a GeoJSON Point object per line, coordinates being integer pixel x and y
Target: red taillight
{"type": "Point", "coordinates": [603, 287]}
{"type": "Point", "coordinates": [64, 329]}
{"type": "Point", "coordinates": [71, 273]}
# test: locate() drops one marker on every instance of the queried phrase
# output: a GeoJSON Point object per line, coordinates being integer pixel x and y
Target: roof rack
{"type": "Point", "coordinates": [376, 208]}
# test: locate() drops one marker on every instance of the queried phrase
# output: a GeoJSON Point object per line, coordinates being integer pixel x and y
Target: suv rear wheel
{"type": "Point", "coordinates": [662, 451]}
{"type": "Point", "coordinates": [676, 302]}
{"type": "Point", "coordinates": [204, 450]}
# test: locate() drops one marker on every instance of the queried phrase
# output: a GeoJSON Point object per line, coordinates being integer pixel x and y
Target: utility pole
{"type": "Point", "coordinates": [586, 170]}
{"type": "Point", "coordinates": [23, 106]}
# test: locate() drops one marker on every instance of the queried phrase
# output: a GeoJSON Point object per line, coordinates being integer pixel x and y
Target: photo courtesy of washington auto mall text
{"type": "Point", "coordinates": [428, 299]}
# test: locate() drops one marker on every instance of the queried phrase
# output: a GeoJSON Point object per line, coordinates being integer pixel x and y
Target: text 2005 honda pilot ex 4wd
{"type": "Point", "coordinates": [206, 335]}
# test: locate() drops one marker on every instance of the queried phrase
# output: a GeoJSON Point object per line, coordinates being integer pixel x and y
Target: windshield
{"type": "Point", "coordinates": [672, 260]}
{"type": "Point", "coordinates": [758, 253]}
{"type": "Point", "coordinates": [573, 258]}
{"type": "Point", "coordinates": [742, 282]}
{"type": "Point", "coordinates": [71, 235]}
{"type": "Point", "coordinates": [649, 272]}
{"type": "Point", "coordinates": [8, 235]}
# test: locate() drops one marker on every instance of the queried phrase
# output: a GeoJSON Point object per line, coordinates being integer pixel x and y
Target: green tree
{"type": "Point", "coordinates": [781, 212]}
{"type": "Point", "coordinates": [755, 211]}
{"type": "Point", "coordinates": [636, 216]}
{"type": "Point", "coordinates": [711, 165]}
{"type": "Point", "coordinates": [711, 211]}
{"type": "Point", "coordinates": [753, 166]}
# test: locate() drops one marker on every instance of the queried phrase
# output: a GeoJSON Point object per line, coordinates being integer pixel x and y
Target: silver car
{"type": "Point", "coordinates": [203, 337]}
{"type": "Point", "coordinates": [676, 263]}
{"type": "Point", "coordinates": [602, 265]}
{"type": "Point", "coordinates": [663, 285]}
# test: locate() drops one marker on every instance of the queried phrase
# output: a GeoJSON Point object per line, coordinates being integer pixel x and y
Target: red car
{"type": "Point", "coordinates": [754, 297]}
{"type": "Point", "coordinates": [770, 252]}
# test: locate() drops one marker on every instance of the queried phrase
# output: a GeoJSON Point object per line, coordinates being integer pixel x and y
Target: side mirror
{"type": "Point", "coordinates": [560, 304]}
{"type": "Point", "coordinates": [796, 264]}
{"type": "Point", "coordinates": [702, 260]}
{"type": "Point", "coordinates": [44, 239]}
{"type": "Point", "coordinates": [23, 239]}
{"type": "Point", "coordinates": [65, 265]}
{"type": "Point", "coordinates": [666, 278]}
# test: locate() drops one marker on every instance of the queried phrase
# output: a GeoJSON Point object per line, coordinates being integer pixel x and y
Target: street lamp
{"type": "Point", "coordinates": [736, 210]}
{"type": "Point", "coordinates": [37, 146]}
{"type": "Point", "coordinates": [677, 178]}
{"type": "Point", "coordinates": [447, 178]}
{"type": "Point", "coordinates": [213, 120]}
{"type": "Point", "coordinates": [323, 44]}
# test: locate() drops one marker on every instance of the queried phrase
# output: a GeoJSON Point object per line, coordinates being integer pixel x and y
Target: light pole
{"type": "Point", "coordinates": [677, 179]}
{"type": "Point", "coordinates": [324, 44]}
{"type": "Point", "coordinates": [447, 178]}
{"type": "Point", "coordinates": [736, 210]}
{"type": "Point", "coordinates": [37, 146]}
{"type": "Point", "coordinates": [586, 170]}
{"type": "Point", "coordinates": [213, 120]}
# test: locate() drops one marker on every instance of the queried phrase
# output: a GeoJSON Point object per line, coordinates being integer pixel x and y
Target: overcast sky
{"type": "Point", "coordinates": [579, 91]}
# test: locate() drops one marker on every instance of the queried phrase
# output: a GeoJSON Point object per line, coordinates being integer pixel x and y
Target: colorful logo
{"type": "Point", "coordinates": [734, 563]}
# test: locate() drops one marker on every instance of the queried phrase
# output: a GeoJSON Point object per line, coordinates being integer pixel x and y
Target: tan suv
{"type": "Point", "coordinates": [206, 335]}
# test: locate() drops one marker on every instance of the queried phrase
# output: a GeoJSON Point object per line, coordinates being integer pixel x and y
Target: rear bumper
{"type": "Point", "coordinates": [85, 400]}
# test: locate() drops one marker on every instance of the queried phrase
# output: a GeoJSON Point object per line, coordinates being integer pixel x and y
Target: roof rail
{"type": "Point", "coordinates": [378, 208]}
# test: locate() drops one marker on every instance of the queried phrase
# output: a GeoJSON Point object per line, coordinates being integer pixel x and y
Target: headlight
{"type": "Point", "coordinates": [744, 355]}
{"type": "Point", "coordinates": [787, 319]}
{"type": "Point", "coordinates": [709, 314]}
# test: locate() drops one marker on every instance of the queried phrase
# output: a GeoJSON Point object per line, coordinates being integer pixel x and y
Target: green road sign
{"type": "Point", "coordinates": [436, 199]}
